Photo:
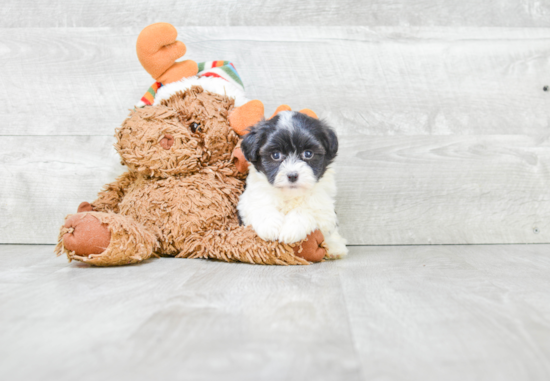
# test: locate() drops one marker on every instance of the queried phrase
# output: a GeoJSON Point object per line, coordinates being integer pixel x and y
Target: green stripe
{"type": "Point", "coordinates": [201, 66]}
{"type": "Point", "coordinates": [232, 74]}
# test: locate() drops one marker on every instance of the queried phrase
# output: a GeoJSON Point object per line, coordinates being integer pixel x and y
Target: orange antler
{"type": "Point", "coordinates": [305, 111]}
{"type": "Point", "coordinates": [309, 112]}
{"type": "Point", "coordinates": [157, 50]}
{"type": "Point", "coordinates": [246, 116]}
{"type": "Point", "coordinates": [281, 108]}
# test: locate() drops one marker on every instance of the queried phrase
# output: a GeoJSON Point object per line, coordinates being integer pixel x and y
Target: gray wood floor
{"type": "Point", "coordinates": [385, 313]}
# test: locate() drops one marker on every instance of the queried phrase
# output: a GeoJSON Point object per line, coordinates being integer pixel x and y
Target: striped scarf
{"type": "Point", "coordinates": [217, 69]}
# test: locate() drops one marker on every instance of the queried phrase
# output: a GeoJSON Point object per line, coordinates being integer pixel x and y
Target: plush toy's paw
{"type": "Point", "coordinates": [104, 239]}
{"type": "Point", "coordinates": [311, 249]}
{"type": "Point", "coordinates": [87, 235]}
{"type": "Point", "coordinates": [85, 207]}
{"type": "Point", "coordinates": [269, 229]}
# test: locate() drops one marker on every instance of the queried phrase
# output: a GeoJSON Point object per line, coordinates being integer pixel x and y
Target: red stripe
{"type": "Point", "coordinates": [213, 75]}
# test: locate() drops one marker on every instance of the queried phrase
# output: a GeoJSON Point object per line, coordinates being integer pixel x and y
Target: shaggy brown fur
{"type": "Point", "coordinates": [178, 199]}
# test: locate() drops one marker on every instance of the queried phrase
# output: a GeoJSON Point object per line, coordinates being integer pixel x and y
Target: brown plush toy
{"type": "Point", "coordinates": [185, 172]}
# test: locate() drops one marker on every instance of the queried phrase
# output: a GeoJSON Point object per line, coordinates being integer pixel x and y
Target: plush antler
{"type": "Point", "coordinates": [157, 50]}
{"type": "Point", "coordinates": [305, 111]}
{"type": "Point", "coordinates": [281, 108]}
{"type": "Point", "coordinates": [246, 116]}
{"type": "Point", "coordinates": [309, 112]}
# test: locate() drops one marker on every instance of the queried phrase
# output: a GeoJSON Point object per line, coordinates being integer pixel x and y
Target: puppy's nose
{"type": "Point", "coordinates": [292, 177]}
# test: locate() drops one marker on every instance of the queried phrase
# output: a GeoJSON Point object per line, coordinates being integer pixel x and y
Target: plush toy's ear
{"type": "Point", "coordinates": [239, 160]}
{"type": "Point", "coordinates": [309, 112]}
{"type": "Point", "coordinates": [281, 108]}
{"type": "Point", "coordinates": [157, 50]}
{"type": "Point", "coordinates": [246, 116]}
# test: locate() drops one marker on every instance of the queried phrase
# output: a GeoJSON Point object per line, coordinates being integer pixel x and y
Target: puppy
{"type": "Point", "coordinates": [290, 187]}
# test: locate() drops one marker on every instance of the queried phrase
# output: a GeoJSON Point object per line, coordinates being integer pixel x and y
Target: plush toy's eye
{"type": "Point", "coordinates": [276, 156]}
{"type": "Point", "coordinates": [195, 127]}
{"type": "Point", "coordinates": [307, 155]}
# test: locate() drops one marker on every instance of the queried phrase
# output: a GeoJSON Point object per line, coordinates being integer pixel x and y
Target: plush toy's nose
{"type": "Point", "coordinates": [167, 141]}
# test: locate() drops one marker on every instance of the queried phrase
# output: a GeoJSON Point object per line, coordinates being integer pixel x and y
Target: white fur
{"type": "Point", "coordinates": [292, 164]}
{"type": "Point", "coordinates": [285, 120]}
{"type": "Point", "coordinates": [289, 215]}
{"type": "Point", "coordinates": [212, 84]}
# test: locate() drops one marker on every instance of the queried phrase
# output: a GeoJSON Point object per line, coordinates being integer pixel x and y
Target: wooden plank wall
{"type": "Point", "coordinates": [99, 13]}
{"type": "Point", "coordinates": [440, 108]}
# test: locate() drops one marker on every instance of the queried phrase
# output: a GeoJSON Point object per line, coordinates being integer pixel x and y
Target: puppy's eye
{"type": "Point", "coordinates": [276, 156]}
{"type": "Point", "coordinates": [195, 127]}
{"type": "Point", "coordinates": [307, 155]}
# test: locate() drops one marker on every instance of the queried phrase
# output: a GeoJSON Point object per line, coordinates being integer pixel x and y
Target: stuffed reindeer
{"type": "Point", "coordinates": [185, 172]}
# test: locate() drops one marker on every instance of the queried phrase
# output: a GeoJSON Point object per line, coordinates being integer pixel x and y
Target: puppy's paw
{"type": "Point", "coordinates": [336, 255]}
{"type": "Point", "coordinates": [336, 246]}
{"type": "Point", "coordinates": [292, 232]}
{"type": "Point", "coordinates": [269, 229]}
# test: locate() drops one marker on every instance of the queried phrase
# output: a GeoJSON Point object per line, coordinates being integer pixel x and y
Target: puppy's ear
{"type": "Point", "coordinates": [331, 144]}
{"type": "Point", "coordinates": [252, 142]}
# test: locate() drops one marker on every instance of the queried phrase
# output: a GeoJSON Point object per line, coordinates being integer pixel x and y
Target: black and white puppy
{"type": "Point", "coordinates": [290, 188]}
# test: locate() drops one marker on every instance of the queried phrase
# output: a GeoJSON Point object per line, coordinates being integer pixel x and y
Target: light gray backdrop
{"type": "Point", "coordinates": [440, 108]}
